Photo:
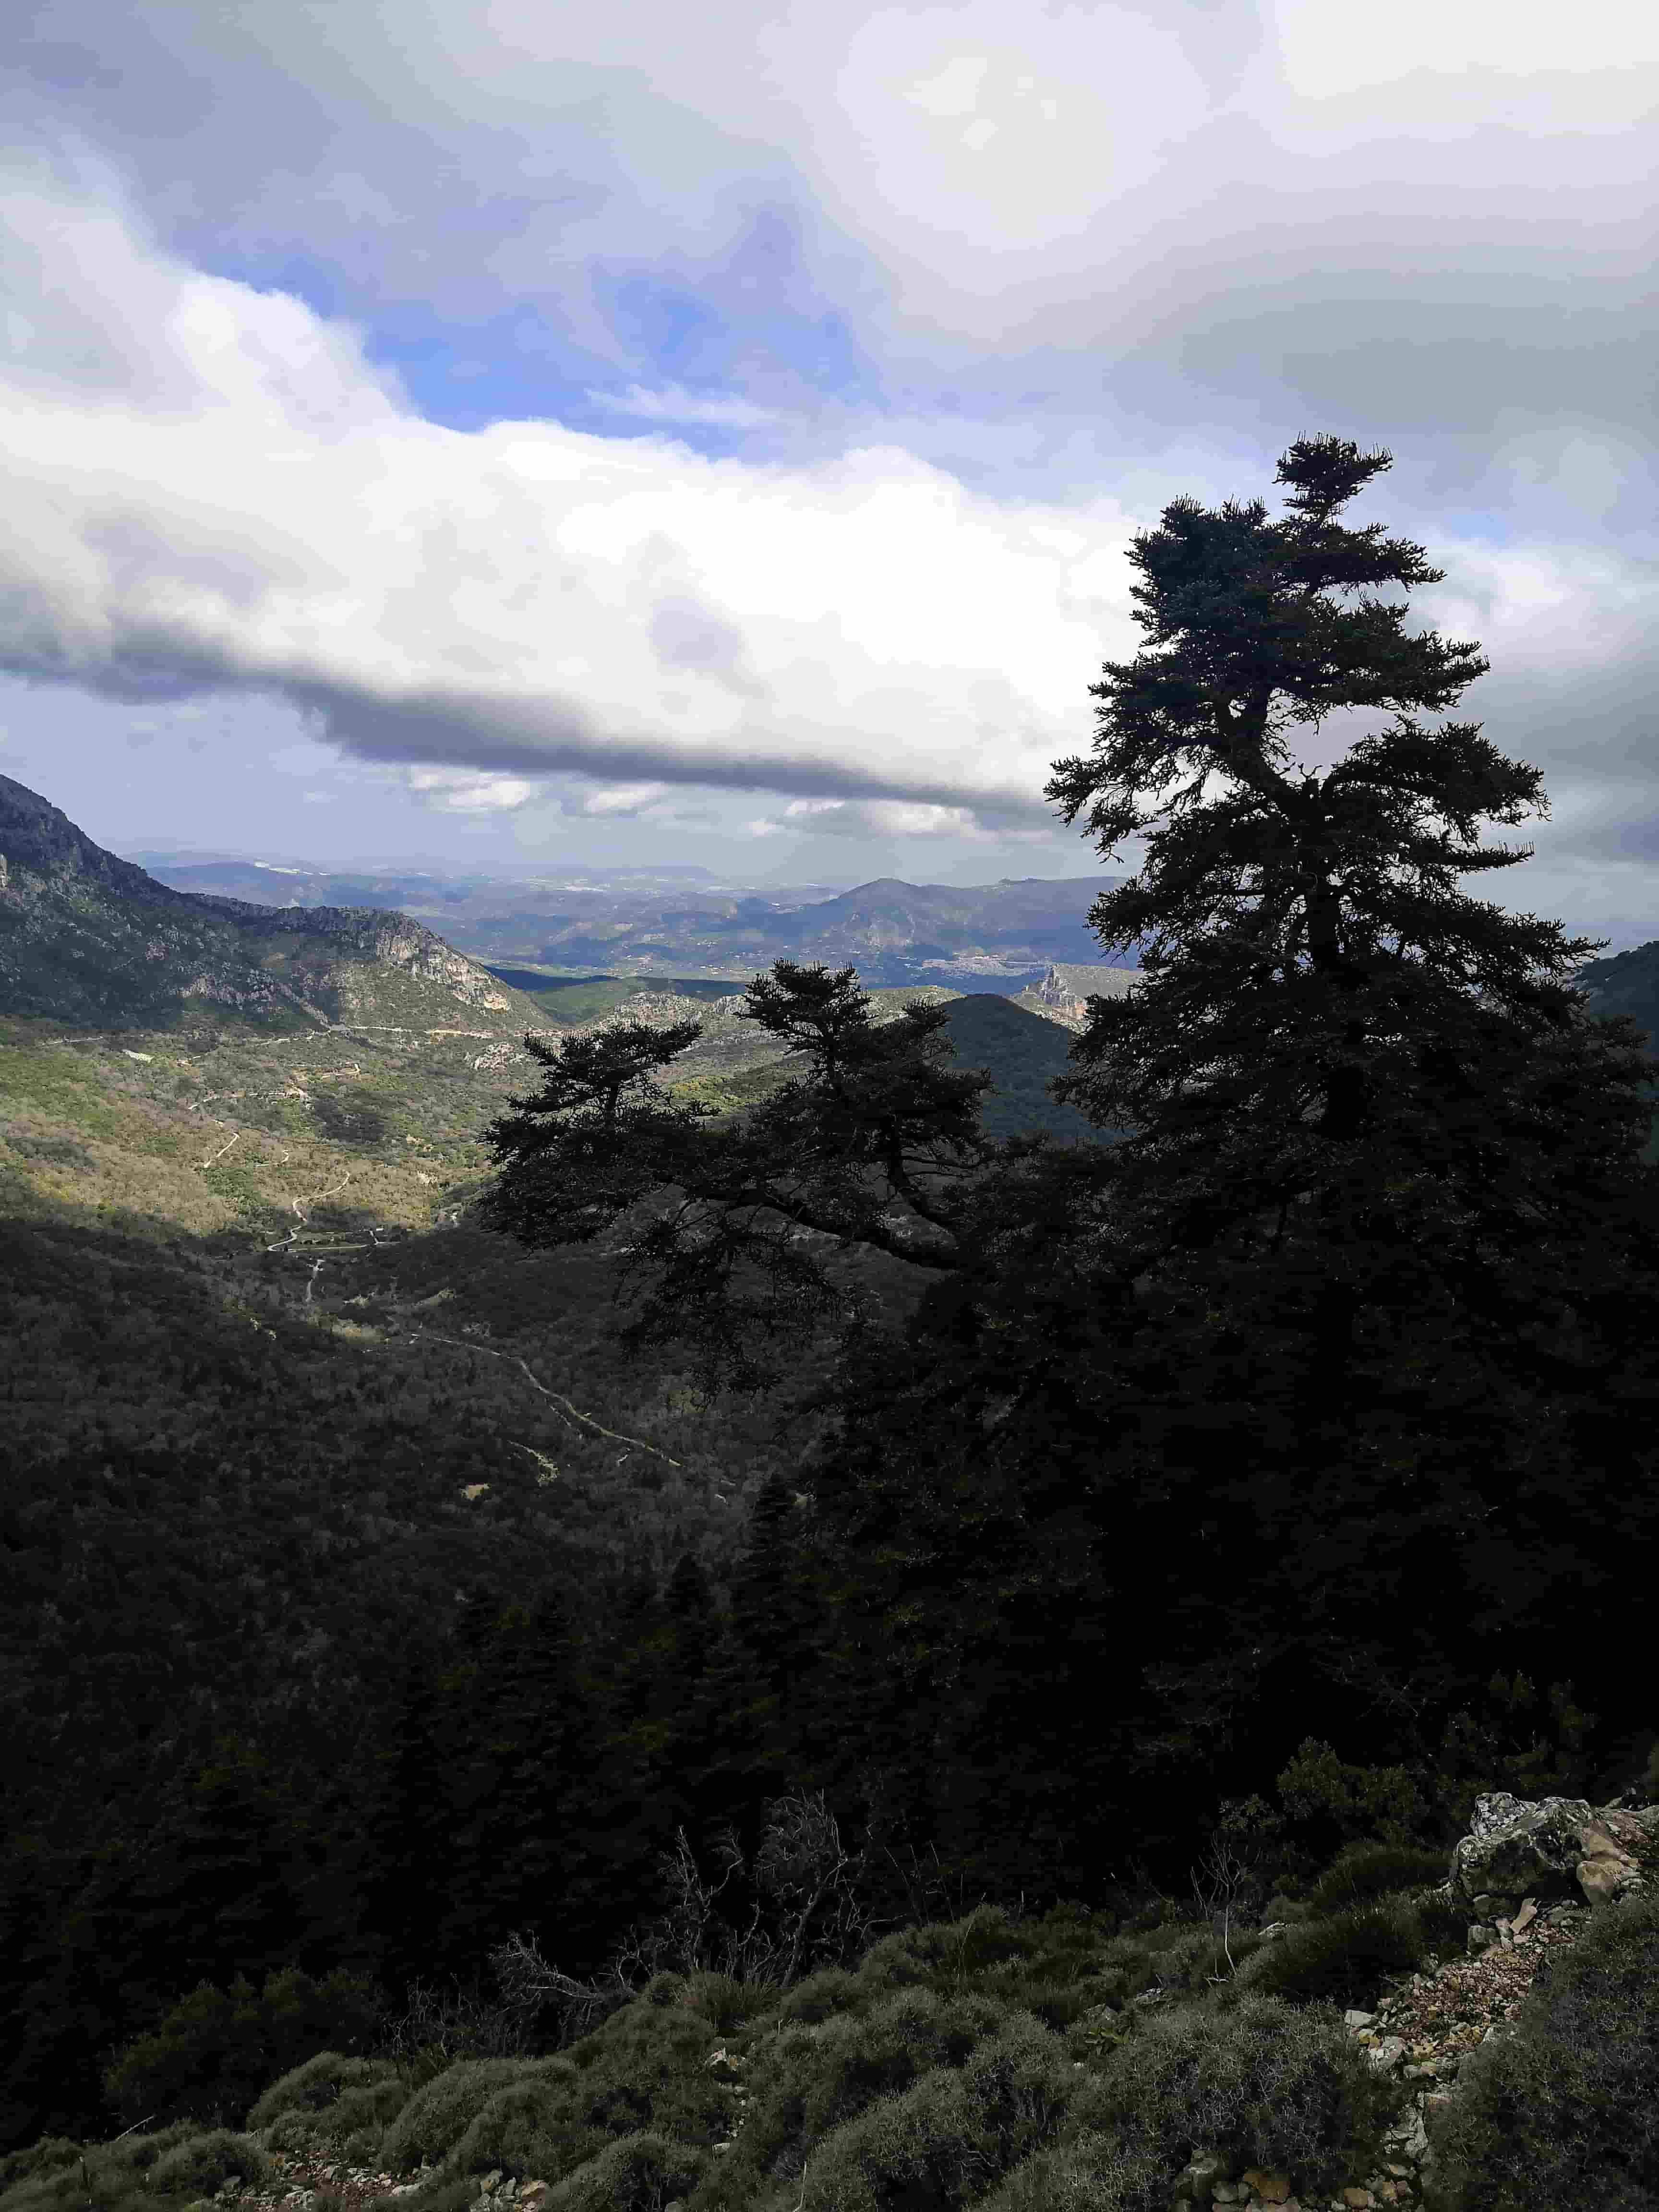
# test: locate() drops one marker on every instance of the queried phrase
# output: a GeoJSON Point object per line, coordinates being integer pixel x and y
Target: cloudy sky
{"type": "Point", "coordinates": [501, 429]}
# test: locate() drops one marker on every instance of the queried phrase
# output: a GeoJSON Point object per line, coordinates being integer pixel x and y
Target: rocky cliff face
{"type": "Point", "coordinates": [372, 936]}
{"type": "Point", "coordinates": [87, 938]}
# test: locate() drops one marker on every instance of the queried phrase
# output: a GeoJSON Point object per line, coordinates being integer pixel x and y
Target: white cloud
{"type": "Point", "coordinates": [211, 489]}
{"type": "Point", "coordinates": [886, 820]}
{"type": "Point", "coordinates": [619, 799]}
{"type": "Point", "coordinates": [454, 791]}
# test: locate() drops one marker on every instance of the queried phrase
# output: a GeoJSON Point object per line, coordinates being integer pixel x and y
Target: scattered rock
{"type": "Point", "coordinates": [1202, 2173]}
{"type": "Point", "coordinates": [1550, 1848]}
{"type": "Point", "coordinates": [1271, 2188]}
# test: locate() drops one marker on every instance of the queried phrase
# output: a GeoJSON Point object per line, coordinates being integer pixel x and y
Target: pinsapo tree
{"type": "Point", "coordinates": [1359, 1317]}
{"type": "Point", "coordinates": [868, 1146]}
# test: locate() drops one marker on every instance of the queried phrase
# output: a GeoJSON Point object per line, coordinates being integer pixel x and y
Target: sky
{"type": "Point", "coordinates": [507, 431]}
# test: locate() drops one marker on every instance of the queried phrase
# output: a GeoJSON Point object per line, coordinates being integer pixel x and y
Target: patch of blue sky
{"type": "Point", "coordinates": [733, 334]}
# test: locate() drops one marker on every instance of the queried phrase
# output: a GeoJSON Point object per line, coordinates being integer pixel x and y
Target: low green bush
{"type": "Point", "coordinates": [648, 2067]}
{"type": "Point", "coordinates": [645, 2069]}
{"type": "Point", "coordinates": [138, 2154]}
{"type": "Point", "coordinates": [359, 2121]}
{"type": "Point", "coordinates": [1088, 2172]}
{"type": "Point", "coordinates": [45, 2156]}
{"type": "Point", "coordinates": [831, 1990]}
{"type": "Point", "coordinates": [529, 2127]}
{"type": "Point", "coordinates": [1347, 1957]}
{"type": "Point", "coordinates": [354, 2124]}
{"type": "Point", "coordinates": [57, 2175]}
{"type": "Point", "coordinates": [1260, 2080]}
{"type": "Point", "coordinates": [1562, 2114]}
{"type": "Point", "coordinates": [438, 2115]}
{"type": "Point", "coordinates": [315, 2083]}
{"type": "Point", "coordinates": [806, 2081]}
{"type": "Point", "coordinates": [202, 2163]}
{"type": "Point", "coordinates": [952, 2134]}
{"type": "Point", "coordinates": [1363, 1870]}
{"type": "Point", "coordinates": [945, 1956]}
{"type": "Point", "coordinates": [724, 2002]}
{"type": "Point", "coordinates": [923, 2148]}
{"type": "Point", "coordinates": [642, 2173]}
{"type": "Point", "coordinates": [1177, 1954]}
{"type": "Point", "coordinates": [458, 2194]}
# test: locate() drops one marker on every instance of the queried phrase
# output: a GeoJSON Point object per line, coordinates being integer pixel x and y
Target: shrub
{"type": "Point", "coordinates": [807, 2081]}
{"type": "Point", "coordinates": [951, 2134]}
{"type": "Point", "coordinates": [1090, 2172]}
{"type": "Point", "coordinates": [1363, 1870]}
{"type": "Point", "coordinates": [43, 2157]}
{"type": "Point", "coordinates": [945, 1956]}
{"type": "Point", "coordinates": [138, 2153]}
{"type": "Point", "coordinates": [1357, 1802]}
{"type": "Point", "coordinates": [216, 2049]}
{"type": "Point", "coordinates": [458, 2194]}
{"type": "Point", "coordinates": [1265, 2084]}
{"type": "Point", "coordinates": [832, 1989]}
{"type": "Point", "coordinates": [358, 2122]}
{"type": "Point", "coordinates": [355, 2123]}
{"type": "Point", "coordinates": [1172, 1955]}
{"type": "Point", "coordinates": [642, 2173]}
{"type": "Point", "coordinates": [1021, 2084]}
{"type": "Point", "coordinates": [1347, 1957]}
{"type": "Point", "coordinates": [202, 2163]}
{"type": "Point", "coordinates": [523, 2129]}
{"type": "Point", "coordinates": [1561, 2115]}
{"type": "Point", "coordinates": [724, 2002]}
{"type": "Point", "coordinates": [648, 2067]}
{"type": "Point", "coordinates": [922, 2147]}
{"type": "Point", "coordinates": [645, 2069]}
{"type": "Point", "coordinates": [437, 2116]}
{"type": "Point", "coordinates": [315, 2083]}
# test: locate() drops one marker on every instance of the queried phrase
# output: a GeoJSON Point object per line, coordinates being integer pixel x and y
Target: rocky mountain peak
{"type": "Point", "coordinates": [38, 841]}
{"type": "Point", "coordinates": [87, 936]}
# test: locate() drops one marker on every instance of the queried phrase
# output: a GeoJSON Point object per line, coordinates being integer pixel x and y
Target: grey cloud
{"type": "Point", "coordinates": [547, 736]}
{"type": "Point", "coordinates": [1457, 281]}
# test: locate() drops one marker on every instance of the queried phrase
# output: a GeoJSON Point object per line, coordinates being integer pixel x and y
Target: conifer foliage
{"type": "Point", "coordinates": [1356, 1317]}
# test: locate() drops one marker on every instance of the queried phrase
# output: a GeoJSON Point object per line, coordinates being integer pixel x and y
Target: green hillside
{"type": "Point", "coordinates": [569, 999]}
{"type": "Point", "coordinates": [1022, 1054]}
{"type": "Point", "coordinates": [1626, 984]}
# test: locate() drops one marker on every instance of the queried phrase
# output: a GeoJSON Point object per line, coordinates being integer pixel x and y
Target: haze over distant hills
{"type": "Point", "coordinates": [684, 921]}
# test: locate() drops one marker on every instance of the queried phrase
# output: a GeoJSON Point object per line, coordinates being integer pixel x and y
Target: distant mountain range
{"type": "Point", "coordinates": [664, 922]}
{"type": "Point", "coordinates": [88, 938]}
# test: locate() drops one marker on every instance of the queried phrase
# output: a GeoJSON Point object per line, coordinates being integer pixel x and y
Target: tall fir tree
{"type": "Point", "coordinates": [1338, 1374]}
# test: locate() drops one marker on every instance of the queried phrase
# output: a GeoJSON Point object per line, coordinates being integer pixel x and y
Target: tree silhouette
{"type": "Point", "coordinates": [1358, 1316]}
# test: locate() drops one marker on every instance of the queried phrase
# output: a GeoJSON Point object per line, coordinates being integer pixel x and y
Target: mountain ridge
{"type": "Point", "coordinates": [892, 931]}
{"type": "Point", "coordinates": [86, 936]}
